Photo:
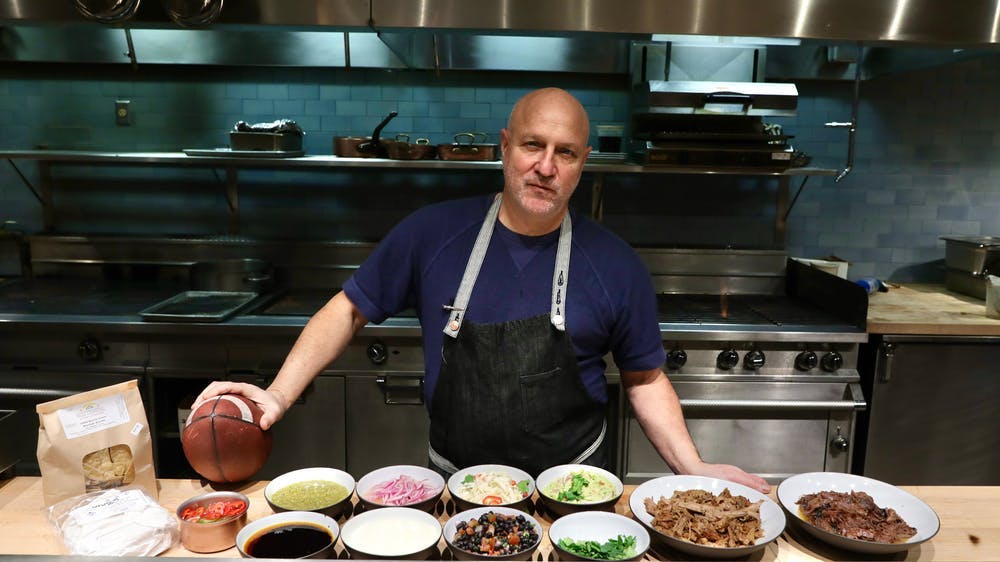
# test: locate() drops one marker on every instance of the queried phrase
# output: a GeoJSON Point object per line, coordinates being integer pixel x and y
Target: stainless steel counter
{"type": "Point", "coordinates": [82, 304]}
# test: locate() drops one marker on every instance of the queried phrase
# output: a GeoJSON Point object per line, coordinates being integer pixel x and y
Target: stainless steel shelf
{"type": "Point", "coordinates": [601, 165]}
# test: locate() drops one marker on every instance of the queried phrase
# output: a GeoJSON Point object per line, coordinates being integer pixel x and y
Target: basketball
{"type": "Point", "coordinates": [223, 441]}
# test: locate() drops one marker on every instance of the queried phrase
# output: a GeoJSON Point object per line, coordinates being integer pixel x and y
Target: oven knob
{"type": "Point", "coordinates": [806, 361]}
{"type": "Point", "coordinates": [89, 350]}
{"type": "Point", "coordinates": [676, 358]}
{"type": "Point", "coordinates": [727, 359]}
{"type": "Point", "coordinates": [753, 360]}
{"type": "Point", "coordinates": [832, 361]}
{"type": "Point", "coordinates": [378, 353]}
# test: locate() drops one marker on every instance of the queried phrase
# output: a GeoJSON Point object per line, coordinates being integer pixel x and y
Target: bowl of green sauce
{"type": "Point", "coordinates": [319, 489]}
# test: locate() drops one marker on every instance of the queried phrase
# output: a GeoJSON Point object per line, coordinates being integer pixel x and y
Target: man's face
{"type": "Point", "coordinates": [544, 150]}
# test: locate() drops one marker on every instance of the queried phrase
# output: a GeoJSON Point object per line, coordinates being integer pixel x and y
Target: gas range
{"type": "Point", "coordinates": [755, 335]}
{"type": "Point", "coordinates": [765, 368]}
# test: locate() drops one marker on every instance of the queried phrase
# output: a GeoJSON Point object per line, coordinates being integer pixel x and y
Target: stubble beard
{"type": "Point", "coordinates": [535, 202]}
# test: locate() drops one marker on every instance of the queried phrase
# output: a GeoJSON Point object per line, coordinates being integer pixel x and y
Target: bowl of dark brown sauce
{"type": "Point", "coordinates": [290, 534]}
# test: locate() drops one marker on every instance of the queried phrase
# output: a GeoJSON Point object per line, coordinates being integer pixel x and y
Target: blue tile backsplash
{"type": "Point", "coordinates": [927, 157]}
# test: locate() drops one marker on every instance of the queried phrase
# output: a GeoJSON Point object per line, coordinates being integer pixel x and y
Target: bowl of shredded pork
{"type": "Point", "coordinates": [705, 516]}
{"type": "Point", "coordinates": [857, 513]}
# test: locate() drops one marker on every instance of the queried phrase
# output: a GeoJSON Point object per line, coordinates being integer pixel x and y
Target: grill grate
{"type": "Point", "coordinates": [759, 310]}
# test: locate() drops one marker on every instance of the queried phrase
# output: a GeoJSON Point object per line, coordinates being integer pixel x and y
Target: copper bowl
{"type": "Point", "coordinates": [212, 536]}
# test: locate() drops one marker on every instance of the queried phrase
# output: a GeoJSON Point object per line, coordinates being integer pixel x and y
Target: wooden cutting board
{"type": "Point", "coordinates": [928, 310]}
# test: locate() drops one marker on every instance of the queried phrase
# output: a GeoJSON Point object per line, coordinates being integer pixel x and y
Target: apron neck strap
{"type": "Point", "coordinates": [560, 276]}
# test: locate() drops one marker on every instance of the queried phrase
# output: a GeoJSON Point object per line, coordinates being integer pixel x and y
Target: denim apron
{"type": "Point", "coordinates": [510, 392]}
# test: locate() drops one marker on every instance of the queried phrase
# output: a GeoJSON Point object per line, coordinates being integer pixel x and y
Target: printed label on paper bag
{"type": "Point", "coordinates": [92, 416]}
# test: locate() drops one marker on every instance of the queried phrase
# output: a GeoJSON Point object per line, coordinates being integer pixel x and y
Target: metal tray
{"type": "Point", "coordinates": [198, 306]}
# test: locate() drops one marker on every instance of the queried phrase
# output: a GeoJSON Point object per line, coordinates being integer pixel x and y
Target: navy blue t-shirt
{"type": "Point", "coordinates": [611, 305]}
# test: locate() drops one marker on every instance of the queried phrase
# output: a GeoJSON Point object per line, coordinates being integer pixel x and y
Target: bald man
{"type": "Point", "coordinates": [514, 337]}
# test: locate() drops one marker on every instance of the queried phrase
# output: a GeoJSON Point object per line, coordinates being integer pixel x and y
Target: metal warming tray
{"type": "Point", "coordinates": [198, 306]}
{"type": "Point", "coordinates": [976, 255]}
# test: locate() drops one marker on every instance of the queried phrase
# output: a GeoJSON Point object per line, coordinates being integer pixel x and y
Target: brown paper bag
{"type": "Point", "coordinates": [95, 440]}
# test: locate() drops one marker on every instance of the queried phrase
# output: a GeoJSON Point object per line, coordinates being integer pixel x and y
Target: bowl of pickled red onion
{"type": "Point", "coordinates": [401, 486]}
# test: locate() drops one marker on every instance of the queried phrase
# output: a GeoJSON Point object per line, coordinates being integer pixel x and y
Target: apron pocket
{"type": "Point", "coordinates": [543, 396]}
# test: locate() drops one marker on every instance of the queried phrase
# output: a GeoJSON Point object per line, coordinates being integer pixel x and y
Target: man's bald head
{"type": "Point", "coordinates": [539, 102]}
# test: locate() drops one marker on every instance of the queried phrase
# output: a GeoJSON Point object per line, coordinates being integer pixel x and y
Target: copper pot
{"type": "Point", "coordinates": [465, 147]}
{"type": "Point", "coordinates": [107, 11]}
{"type": "Point", "coordinates": [193, 13]}
{"type": "Point", "coordinates": [364, 147]}
{"type": "Point", "coordinates": [402, 149]}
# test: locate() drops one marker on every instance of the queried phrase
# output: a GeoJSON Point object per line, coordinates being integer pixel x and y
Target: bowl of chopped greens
{"type": "Point", "coordinates": [570, 488]}
{"type": "Point", "coordinates": [598, 535]}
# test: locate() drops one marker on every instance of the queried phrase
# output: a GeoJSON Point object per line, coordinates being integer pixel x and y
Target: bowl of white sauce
{"type": "Point", "coordinates": [399, 533]}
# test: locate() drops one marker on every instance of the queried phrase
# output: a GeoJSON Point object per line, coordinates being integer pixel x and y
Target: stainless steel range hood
{"type": "Point", "coordinates": [554, 35]}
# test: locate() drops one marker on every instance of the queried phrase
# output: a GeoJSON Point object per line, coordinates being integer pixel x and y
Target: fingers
{"type": "Point", "coordinates": [217, 388]}
{"type": "Point", "coordinates": [750, 480]}
{"type": "Point", "coordinates": [272, 407]}
{"type": "Point", "coordinates": [736, 474]}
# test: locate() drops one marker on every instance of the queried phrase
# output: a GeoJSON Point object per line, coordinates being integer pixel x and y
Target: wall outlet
{"type": "Point", "coordinates": [123, 113]}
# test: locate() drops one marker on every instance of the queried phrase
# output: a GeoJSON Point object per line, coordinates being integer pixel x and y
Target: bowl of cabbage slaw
{"type": "Point", "coordinates": [570, 488]}
{"type": "Point", "coordinates": [491, 485]}
{"type": "Point", "coordinates": [401, 486]}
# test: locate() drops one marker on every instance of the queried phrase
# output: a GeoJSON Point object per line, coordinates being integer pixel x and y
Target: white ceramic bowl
{"type": "Point", "coordinates": [315, 473]}
{"type": "Point", "coordinates": [290, 518]}
{"type": "Point", "coordinates": [559, 508]}
{"type": "Point", "coordinates": [518, 478]}
{"type": "Point", "coordinates": [598, 526]}
{"type": "Point", "coordinates": [396, 533]}
{"type": "Point", "coordinates": [451, 528]}
{"type": "Point", "coordinates": [915, 512]}
{"type": "Point", "coordinates": [429, 479]}
{"type": "Point", "coordinates": [771, 517]}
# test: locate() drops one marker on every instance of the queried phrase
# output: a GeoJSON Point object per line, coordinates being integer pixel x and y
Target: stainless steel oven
{"type": "Point", "coordinates": [763, 354]}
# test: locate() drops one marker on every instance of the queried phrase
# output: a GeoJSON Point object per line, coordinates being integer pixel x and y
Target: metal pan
{"type": "Point", "coordinates": [364, 147]}
{"type": "Point", "coordinates": [402, 149]}
{"type": "Point", "coordinates": [466, 148]}
{"type": "Point", "coordinates": [234, 275]}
